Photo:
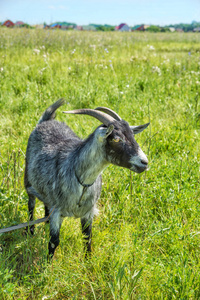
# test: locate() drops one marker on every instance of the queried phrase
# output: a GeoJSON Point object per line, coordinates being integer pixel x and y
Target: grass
{"type": "Point", "coordinates": [146, 238]}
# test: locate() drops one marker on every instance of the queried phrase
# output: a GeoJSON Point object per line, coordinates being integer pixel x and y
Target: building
{"type": "Point", "coordinates": [19, 23]}
{"type": "Point", "coordinates": [78, 27]}
{"type": "Point", "coordinates": [122, 27]}
{"type": "Point", "coordinates": [179, 30]}
{"type": "Point", "coordinates": [139, 27]}
{"type": "Point", "coordinates": [8, 23]}
{"type": "Point", "coordinates": [55, 25]}
{"type": "Point", "coordinates": [197, 29]}
{"type": "Point", "coordinates": [89, 28]}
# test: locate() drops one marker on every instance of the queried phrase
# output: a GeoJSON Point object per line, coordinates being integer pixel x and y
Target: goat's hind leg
{"type": "Point", "coordinates": [31, 206]}
{"type": "Point", "coordinates": [87, 231]}
{"type": "Point", "coordinates": [55, 224]}
{"type": "Point", "coordinates": [32, 194]}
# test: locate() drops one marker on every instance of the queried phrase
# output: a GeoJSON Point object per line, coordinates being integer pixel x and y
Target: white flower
{"type": "Point", "coordinates": [69, 68]}
{"type": "Point", "coordinates": [93, 46]}
{"type": "Point", "coordinates": [151, 47]}
{"type": "Point", "coordinates": [37, 51]}
{"type": "Point", "coordinates": [1, 69]}
{"type": "Point", "coordinates": [156, 70]}
{"type": "Point", "coordinates": [127, 85]}
{"type": "Point", "coordinates": [42, 70]}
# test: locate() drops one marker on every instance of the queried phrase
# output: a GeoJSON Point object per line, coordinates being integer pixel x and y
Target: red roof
{"type": "Point", "coordinates": [121, 25]}
{"type": "Point", "coordinates": [8, 23]}
{"type": "Point", "coordinates": [19, 23]}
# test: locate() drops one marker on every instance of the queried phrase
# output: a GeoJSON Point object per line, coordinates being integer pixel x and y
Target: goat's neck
{"type": "Point", "coordinates": [90, 161]}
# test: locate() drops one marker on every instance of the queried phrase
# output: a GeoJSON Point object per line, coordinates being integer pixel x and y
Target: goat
{"type": "Point", "coordinates": [64, 172]}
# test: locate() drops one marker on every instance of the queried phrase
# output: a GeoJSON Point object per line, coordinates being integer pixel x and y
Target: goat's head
{"type": "Point", "coordinates": [120, 145]}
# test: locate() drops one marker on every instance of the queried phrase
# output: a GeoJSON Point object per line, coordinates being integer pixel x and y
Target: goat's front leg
{"type": "Point", "coordinates": [55, 224]}
{"type": "Point", "coordinates": [87, 231]}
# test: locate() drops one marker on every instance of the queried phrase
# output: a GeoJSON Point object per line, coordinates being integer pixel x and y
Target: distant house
{"type": "Point", "coordinates": [89, 28]}
{"type": "Point", "coordinates": [179, 29]}
{"type": "Point", "coordinates": [139, 27]}
{"type": "Point", "coordinates": [197, 29]}
{"type": "Point", "coordinates": [61, 25]}
{"type": "Point", "coordinates": [38, 26]}
{"type": "Point", "coordinates": [8, 23]}
{"type": "Point", "coordinates": [19, 23]}
{"type": "Point", "coordinates": [171, 29]}
{"type": "Point", "coordinates": [78, 27]}
{"type": "Point", "coordinates": [55, 25]}
{"type": "Point", "coordinates": [122, 27]}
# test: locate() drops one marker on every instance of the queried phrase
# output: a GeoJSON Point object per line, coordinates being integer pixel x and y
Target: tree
{"type": "Point", "coordinates": [153, 28]}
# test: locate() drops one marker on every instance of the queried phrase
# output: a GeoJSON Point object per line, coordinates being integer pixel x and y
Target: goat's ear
{"type": "Point", "coordinates": [105, 132]}
{"type": "Point", "coordinates": [140, 128]}
{"type": "Point", "coordinates": [109, 130]}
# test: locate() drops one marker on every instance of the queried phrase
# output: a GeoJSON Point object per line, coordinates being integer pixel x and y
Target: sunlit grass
{"type": "Point", "coordinates": [146, 238]}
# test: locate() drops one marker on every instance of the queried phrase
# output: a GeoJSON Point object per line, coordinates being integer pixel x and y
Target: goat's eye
{"type": "Point", "coordinates": [117, 140]}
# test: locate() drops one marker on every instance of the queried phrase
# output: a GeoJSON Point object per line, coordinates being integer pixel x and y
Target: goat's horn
{"type": "Point", "coordinates": [109, 112]}
{"type": "Point", "coordinates": [101, 116]}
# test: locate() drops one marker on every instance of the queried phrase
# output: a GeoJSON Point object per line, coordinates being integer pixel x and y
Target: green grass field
{"type": "Point", "coordinates": [146, 239]}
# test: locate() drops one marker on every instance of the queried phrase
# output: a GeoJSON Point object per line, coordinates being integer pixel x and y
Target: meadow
{"type": "Point", "coordinates": [146, 238]}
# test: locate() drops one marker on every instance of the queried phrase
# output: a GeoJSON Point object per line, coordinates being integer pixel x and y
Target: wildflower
{"type": "Point", "coordinates": [93, 46]}
{"type": "Point", "coordinates": [42, 70]}
{"type": "Point", "coordinates": [121, 93]}
{"type": "Point", "coordinates": [166, 61]}
{"type": "Point", "coordinates": [156, 70]}
{"type": "Point", "coordinates": [36, 51]}
{"type": "Point", "coordinates": [73, 51]}
{"type": "Point", "coordinates": [106, 50]}
{"type": "Point", "coordinates": [127, 85]}
{"type": "Point", "coordinates": [151, 47]}
{"type": "Point", "coordinates": [1, 69]}
{"type": "Point", "coordinates": [69, 68]}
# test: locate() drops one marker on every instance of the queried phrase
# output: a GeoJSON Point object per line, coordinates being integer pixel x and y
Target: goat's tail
{"type": "Point", "coordinates": [49, 113]}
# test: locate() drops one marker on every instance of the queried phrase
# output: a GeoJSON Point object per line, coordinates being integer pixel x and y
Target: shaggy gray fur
{"type": "Point", "coordinates": [61, 169]}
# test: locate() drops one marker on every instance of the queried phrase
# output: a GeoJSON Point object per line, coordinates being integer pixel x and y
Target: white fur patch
{"type": "Point", "coordinates": [139, 162]}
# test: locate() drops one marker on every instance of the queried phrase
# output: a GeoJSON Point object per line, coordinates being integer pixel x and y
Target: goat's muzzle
{"type": "Point", "coordinates": [139, 162]}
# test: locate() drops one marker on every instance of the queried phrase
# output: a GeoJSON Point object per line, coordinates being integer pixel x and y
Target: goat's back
{"type": "Point", "coordinates": [48, 146]}
{"type": "Point", "coordinates": [52, 135]}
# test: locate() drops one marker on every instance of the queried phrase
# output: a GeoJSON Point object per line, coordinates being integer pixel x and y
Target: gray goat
{"type": "Point", "coordinates": [64, 172]}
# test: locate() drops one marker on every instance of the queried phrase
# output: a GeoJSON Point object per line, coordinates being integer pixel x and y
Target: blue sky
{"type": "Point", "coordinates": [114, 12]}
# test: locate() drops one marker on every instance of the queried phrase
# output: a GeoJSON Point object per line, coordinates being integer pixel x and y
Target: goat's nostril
{"type": "Point", "coordinates": [144, 162]}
